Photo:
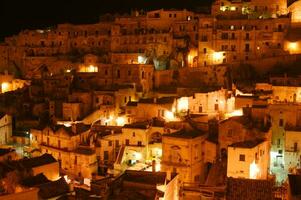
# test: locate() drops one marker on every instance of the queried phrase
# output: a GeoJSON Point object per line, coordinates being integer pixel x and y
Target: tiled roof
{"type": "Point", "coordinates": [35, 180]}
{"type": "Point", "coordinates": [137, 125]}
{"type": "Point", "coordinates": [53, 189]}
{"type": "Point", "coordinates": [37, 161]}
{"type": "Point", "coordinates": [249, 189]}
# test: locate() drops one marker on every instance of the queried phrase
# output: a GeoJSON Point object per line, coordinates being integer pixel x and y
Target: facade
{"type": "Point", "coordinates": [239, 129]}
{"type": "Point", "coordinates": [5, 129]}
{"type": "Point", "coordinates": [182, 154]}
{"type": "Point", "coordinates": [64, 143]}
{"type": "Point", "coordinates": [248, 159]}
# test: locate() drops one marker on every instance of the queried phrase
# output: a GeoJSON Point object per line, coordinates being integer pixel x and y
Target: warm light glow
{"type": "Point", "coordinates": [234, 113]}
{"type": "Point", "coordinates": [109, 119]}
{"type": "Point", "coordinates": [68, 70]}
{"type": "Point", "coordinates": [182, 104]}
{"type": "Point", "coordinates": [92, 68]}
{"type": "Point", "coordinates": [254, 171]}
{"type": "Point", "coordinates": [120, 121]}
{"type": "Point", "coordinates": [293, 46]}
{"type": "Point", "coordinates": [169, 116]}
{"type": "Point", "coordinates": [190, 58]}
{"type": "Point", "coordinates": [232, 8]}
{"type": "Point", "coordinates": [137, 155]}
{"type": "Point", "coordinates": [67, 179]}
{"type": "Point", "coordinates": [217, 55]}
{"type": "Point", "coordinates": [141, 60]}
{"type": "Point", "coordinates": [223, 8]}
{"type": "Point", "coordinates": [5, 87]}
{"type": "Point", "coordinates": [158, 167]}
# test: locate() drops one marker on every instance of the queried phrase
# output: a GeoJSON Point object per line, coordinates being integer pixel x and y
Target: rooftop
{"type": "Point", "coordinates": [35, 180]}
{"type": "Point", "coordinates": [152, 178]}
{"type": "Point", "coordinates": [84, 151]}
{"type": "Point", "coordinates": [247, 144]}
{"type": "Point", "coordinates": [6, 151]}
{"type": "Point", "coordinates": [249, 189]}
{"type": "Point", "coordinates": [137, 125]}
{"type": "Point", "coordinates": [187, 134]}
{"type": "Point", "coordinates": [132, 103]}
{"type": "Point", "coordinates": [162, 100]}
{"type": "Point", "coordinates": [37, 161]}
{"type": "Point", "coordinates": [53, 189]}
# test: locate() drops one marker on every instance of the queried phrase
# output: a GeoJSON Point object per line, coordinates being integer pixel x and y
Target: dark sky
{"type": "Point", "coordinates": [21, 14]}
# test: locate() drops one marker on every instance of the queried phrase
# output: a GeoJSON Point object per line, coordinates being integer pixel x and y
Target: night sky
{"type": "Point", "coordinates": [16, 15]}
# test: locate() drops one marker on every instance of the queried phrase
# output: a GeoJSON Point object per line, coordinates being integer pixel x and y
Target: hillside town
{"type": "Point", "coordinates": [163, 104]}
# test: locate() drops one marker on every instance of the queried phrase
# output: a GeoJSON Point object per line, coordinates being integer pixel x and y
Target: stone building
{"type": "Point", "coordinates": [248, 159]}
{"type": "Point", "coordinates": [182, 154]}
{"type": "Point", "coordinates": [6, 128]}
{"type": "Point", "coordinates": [66, 144]}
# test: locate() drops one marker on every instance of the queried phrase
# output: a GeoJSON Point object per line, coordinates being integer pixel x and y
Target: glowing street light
{"type": "Point", "coordinates": [5, 87]}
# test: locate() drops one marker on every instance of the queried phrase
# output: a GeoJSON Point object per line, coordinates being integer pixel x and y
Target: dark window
{"type": "Point", "coordinates": [242, 157]}
{"type": "Point", "coordinates": [139, 143]}
{"type": "Point", "coordinates": [247, 49]}
{"type": "Point", "coordinates": [75, 160]}
{"type": "Point", "coordinates": [295, 146]}
{"type": "Point", "coordinates": [281, 122]}
{"type": "Point", "coordinates": [105, 155]}
{"type": "Point", "coordinates": [216, 107]}
{"type": "Point", "coordinates": [110, 143]}
{"type": "Point", "coordinates": [127, 142]}
{"type": "Point", "coordinates": [200, 109]}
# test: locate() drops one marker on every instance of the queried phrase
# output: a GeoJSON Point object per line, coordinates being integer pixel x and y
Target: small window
{"type": "Point", "coordinates": [134, 134]}
{"type": "Point", "coordinates": [139, 143]}
{"type": "Point", "coordinates": [127, 142]}
{"type": "Point", "coordinates": [230, 133]}
{"type": "Point", "coordinates": [281, 122]}
{"type": "Point", "coordinates": [242, 157]}
{"type": "Point", "coordinates": [110, 143]}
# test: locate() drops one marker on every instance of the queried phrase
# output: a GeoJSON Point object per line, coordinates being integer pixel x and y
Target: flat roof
{"type": "Point", "coordinates": [247, 144]}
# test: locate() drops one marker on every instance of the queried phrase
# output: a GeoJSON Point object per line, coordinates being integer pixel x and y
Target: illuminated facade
{"type": "Point", "coordinates": [63, 143]}
{"type": "Point", "coordinates": [248, 159]}
{"type": "Point", "coordinates": [6, 128]}
{"type": "Point", "coordinates": [182, 154]}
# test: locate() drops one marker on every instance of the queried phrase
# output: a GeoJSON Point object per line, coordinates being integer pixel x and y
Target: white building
{"type": "Point", "coordinates": [248, 159]}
